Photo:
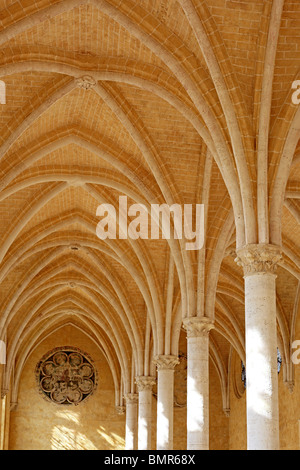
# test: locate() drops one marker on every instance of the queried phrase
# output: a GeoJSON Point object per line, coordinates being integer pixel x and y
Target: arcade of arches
{"type": "Point", "coordinates": [162, 101]}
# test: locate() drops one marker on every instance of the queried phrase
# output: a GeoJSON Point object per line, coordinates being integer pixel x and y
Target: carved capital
{"type": "Point", "coordinates": [197, 326]}
{"type": "Point", "coordinates": [120, 410]}
{"type": "Point", "coordinates": [131, 398]}
{"type": "Point", "coordinates": [260, 258]}
{"type": "Point", "coordinates": [4, 392]}
{"type": "Point", "coordinates": [166, 362]}
{"type": "Point", "coordinates": [85, 83]}
{"type": "Point", "coordinates": [145, 383]}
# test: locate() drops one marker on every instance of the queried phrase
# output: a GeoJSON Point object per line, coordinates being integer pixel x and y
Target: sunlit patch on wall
{"type": "Point", "coordinates": [66, 438]}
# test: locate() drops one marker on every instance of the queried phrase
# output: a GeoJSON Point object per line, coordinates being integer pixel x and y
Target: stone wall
{"type": "Point", "coordinates": [38, 424]}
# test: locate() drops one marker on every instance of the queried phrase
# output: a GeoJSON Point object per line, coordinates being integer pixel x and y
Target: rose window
{"type": "Point", "coordinates": [66, 376]}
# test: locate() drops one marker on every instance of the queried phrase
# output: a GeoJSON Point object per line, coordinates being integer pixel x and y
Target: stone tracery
{"type": "Point", "coordinates": [66, 376]}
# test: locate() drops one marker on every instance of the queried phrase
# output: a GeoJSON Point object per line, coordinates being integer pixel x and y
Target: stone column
{"type": "Point", "coordinates": [165, 400]}
{"type": "Point", "coordinates": [2, 417]}
{"type": "Point", "coordinates": [259, 263]}
{"type": "Point", "coordinates": [198, 382]}
{"type": "Point", "coordinates": [144, 386]}
{"type": "Point", "coordinates": [131, 421]}
{"type": "Point", "coordinates": [6, 395]}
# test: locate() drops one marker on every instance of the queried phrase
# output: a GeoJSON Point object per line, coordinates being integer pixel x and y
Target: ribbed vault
{"type": "Point", "coordinates": [163, 102]}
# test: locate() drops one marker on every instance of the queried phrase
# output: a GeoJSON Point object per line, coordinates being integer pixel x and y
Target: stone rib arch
{"type": "Point", "coordinates": [60, 242]}
{"type": "Point", "coordinates": [230, 115]}
{"type": "Point", "coordinates": [116, 253]}
{"type": "Point", "coordinates": [223, 305]}
{"type": "Point", "coordinates": [38, 206]}
{"type": "Point", "coordinates": [281, 179]}
{"type": "Point", "coordinates": [177, 258]}
{"type": "Point", "coordinates": [32, 345]}
{"type": "Point", "coordinates": [214, 51]}
{"type": "Point", "coordinates": [233, 293]}
{"type": "Point", "coordinates": [215, 264]}
{"type": "Point", "coordinates": [70, 137]}
{"type": "Point", "coordinates": [96, 285]}
{"type": "Point", "coordinates": [228, 171]}
{"type": "Point", "coordinates": [131, 329]}
{"type": "Point", "coordinates": [72, 180]}
{"type": "Point", "coordinates": [139, 281]}
{"type": "Point", "coordinates": [264, 122]}
{"type": "Point", "coordinates": [176, 253]}
{"type": "Point", "coordinates": [147, 147]}
{"type": "Point", "coordinates": [107, 68]}
{"type": "Point", "coordinates": [222, 374]}
{"type": "Point", "coordinates": [220, 327]}
{"type": "Point", "coordinates": [172, 105]}
{"type": "Point", "coordinates": [184, 55]}
{"type": "Point", "coordinates": [84, 310]}
{"type": "Point", "coordinates": [29, 214]}
{"type": "Point", "coordinates": [296, 311]}
{"type": "Point", "coordinates": [135, 133]}
{"type": "Point", "coordinates": [48, 296]}
{"type": "Point", "coordinates": [35, 114]}
{"type": "Point", "coordinates": [41, 110]}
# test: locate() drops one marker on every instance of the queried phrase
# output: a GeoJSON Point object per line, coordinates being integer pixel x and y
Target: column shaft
{"type": "Point", "coordinates": [144, 385]}
{"type": "Point", "coordinates": [259, 263]}
{"type": "Point", "coordinates": [165, 401]}
{"type": "Point", "coordinates": [198, 382]}
{"type": "Point", "coordinates": [131, 421]}
{"type": "Point", "coordinates": [261, 362]}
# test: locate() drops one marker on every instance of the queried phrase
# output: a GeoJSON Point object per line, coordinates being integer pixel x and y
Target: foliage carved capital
{"type": "Point", "coordinates": [145, 383]}
{"type": "Point", "coordinates": [197, 326]}
{"type": "Point", "coordinates": [131, 398]}
{"type": "Point", "coordinates": [261, 258]}
{"type": "Point", "coordinates": [166, 362]}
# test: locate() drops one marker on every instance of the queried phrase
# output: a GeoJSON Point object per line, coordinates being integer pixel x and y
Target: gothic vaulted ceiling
{"type": "Point", "coordinates": [162, 101]}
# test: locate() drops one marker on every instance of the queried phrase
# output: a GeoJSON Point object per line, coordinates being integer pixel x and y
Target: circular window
{"type": "Point", "coordinates": [66, 376]}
